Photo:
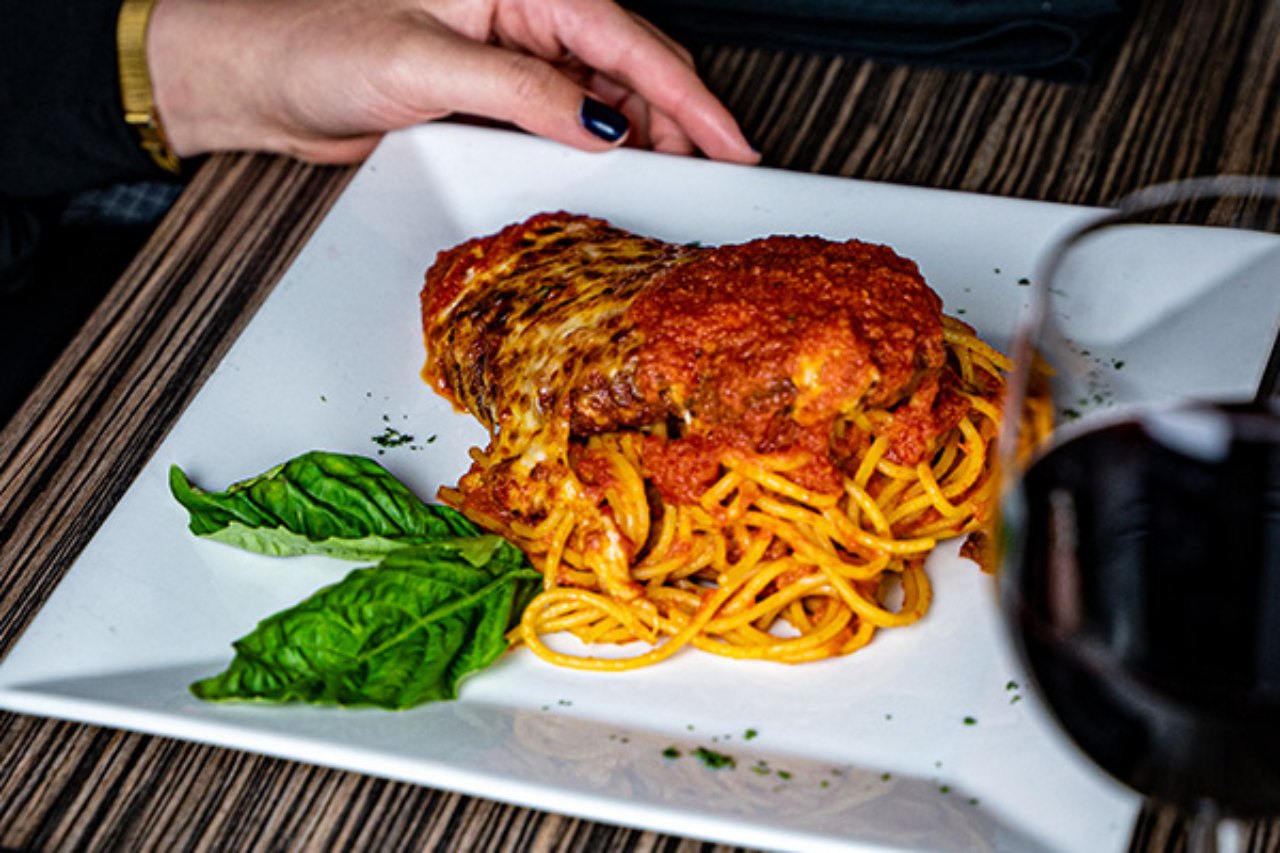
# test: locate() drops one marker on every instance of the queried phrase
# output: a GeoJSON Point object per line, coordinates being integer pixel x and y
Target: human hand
{"type": "Point", "coordinates": [324, 79]}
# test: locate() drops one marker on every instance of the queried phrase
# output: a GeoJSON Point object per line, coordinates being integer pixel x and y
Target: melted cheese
{"type": "Point", "coordinates": [563, 326]}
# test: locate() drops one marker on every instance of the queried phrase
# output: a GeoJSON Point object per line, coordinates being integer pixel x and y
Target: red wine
{"type": "Point", "coordinates": [1142, 578]}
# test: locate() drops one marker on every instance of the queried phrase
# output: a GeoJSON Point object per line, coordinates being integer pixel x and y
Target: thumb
{"type": "Point", "coordinates": [496, 83]}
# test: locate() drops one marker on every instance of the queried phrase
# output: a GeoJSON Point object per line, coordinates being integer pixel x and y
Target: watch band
{"type": "Point", "coordinates": [135, 83]}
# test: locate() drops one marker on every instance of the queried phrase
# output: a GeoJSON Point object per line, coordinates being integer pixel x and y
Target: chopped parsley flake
{"type": "Point", "coordinates": [391, 437]}
{"type": "Point", "coordinates": [970, 721]}
{"type": "Point", "coordinates": [749, 734]}
{"type": "Point", "coordinates": [1024, 282]}
{"type": "Point", "coordinates": [714, 760]}
{"type": "Point", "coordinates": [671, 753]}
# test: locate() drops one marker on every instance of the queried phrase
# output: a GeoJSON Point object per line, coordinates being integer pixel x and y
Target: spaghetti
{"type": "Point", "coordinates": [748, 450]}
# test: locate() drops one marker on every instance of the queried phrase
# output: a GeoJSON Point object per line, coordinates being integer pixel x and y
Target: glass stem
{"type": "Point", "coordinates": [1209, 832]}
{"type": "Point", "coordinates": [1202, 831]}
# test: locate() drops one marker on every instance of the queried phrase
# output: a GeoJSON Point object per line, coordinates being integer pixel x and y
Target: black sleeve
{"type": "Point", "coordinates": [62, 127]}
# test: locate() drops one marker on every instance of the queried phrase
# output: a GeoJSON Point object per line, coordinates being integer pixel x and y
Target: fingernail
{"type": "Point", "coordinates": [603, 120]}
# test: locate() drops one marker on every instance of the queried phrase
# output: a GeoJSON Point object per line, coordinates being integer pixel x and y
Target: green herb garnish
{"type": "Point", "coordinates": [340, 506]}
{"type": "Point", "coordinates": [714, 760]}
{"type": "Point", "coordinates": [391, 437]}
{"type": "Point", "coordinates": [405, 631]}
{"type": "Point", "coordinates": [395, 635]}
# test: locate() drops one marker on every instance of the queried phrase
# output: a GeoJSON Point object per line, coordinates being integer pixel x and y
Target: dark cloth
{"type": "Point", "coordinates": [67, 280]}
{"type": "Point", "coordinates": [62, 127]}
{"type": "Point", "coordinates": [65, 235]}
{"type": "Point", "coordinates": [1055, 39]}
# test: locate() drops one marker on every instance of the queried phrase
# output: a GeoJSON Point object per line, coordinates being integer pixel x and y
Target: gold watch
{"type": "Point", "coordinates": [135, 83]}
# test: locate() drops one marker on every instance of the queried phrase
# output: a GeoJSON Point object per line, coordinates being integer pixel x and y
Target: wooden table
{"type": "Point", "coordinates": [1193, 90]}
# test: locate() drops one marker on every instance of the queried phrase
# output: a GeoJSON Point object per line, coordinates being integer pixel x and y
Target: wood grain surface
{"type": "Point", "coordinates": [1193, 89]}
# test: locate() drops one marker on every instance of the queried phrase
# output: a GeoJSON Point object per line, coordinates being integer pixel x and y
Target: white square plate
{"type": "Point", "coordinates": [929, 739]}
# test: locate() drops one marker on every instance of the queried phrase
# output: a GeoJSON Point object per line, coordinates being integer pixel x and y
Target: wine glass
{"type": "Point", "coordinates": [1140, 539]}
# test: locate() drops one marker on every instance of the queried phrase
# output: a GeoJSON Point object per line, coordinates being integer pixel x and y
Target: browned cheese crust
{"type": "Point", "coordinates": [563, 326]}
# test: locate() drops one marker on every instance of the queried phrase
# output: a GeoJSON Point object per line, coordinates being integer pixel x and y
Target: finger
{"type": "Point", "coordinates": [682, 53]}
{"type": "Point", "coordinates": [649, 128]}
{"type": "Point", "coordinates": [666, 135]}
{"type": "Point", "coordinates": [629, 104]}
{"type": "Point", "coordinates": [526, 91]}
{"type": "Point", "coordinates": [663, 132]}
{"type": "Point", "coordinates": [635, 109]}
{"type": "Point", "coordinates": [351, 149]}
{"type": "Point", "coordinates": [611, 41]}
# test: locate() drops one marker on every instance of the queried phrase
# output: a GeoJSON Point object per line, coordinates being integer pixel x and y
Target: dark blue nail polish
{"type": "Point", "coordinates": [603, 120]}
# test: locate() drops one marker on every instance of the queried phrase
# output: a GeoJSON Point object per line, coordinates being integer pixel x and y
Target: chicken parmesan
{"type": "Point", "coordinates": [749, 449]}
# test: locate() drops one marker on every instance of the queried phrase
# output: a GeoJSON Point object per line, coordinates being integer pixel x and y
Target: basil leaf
{"type": "Point", "coordinates": [319, 503]}
{"type": "Point", "coordinates": [393, 636]}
